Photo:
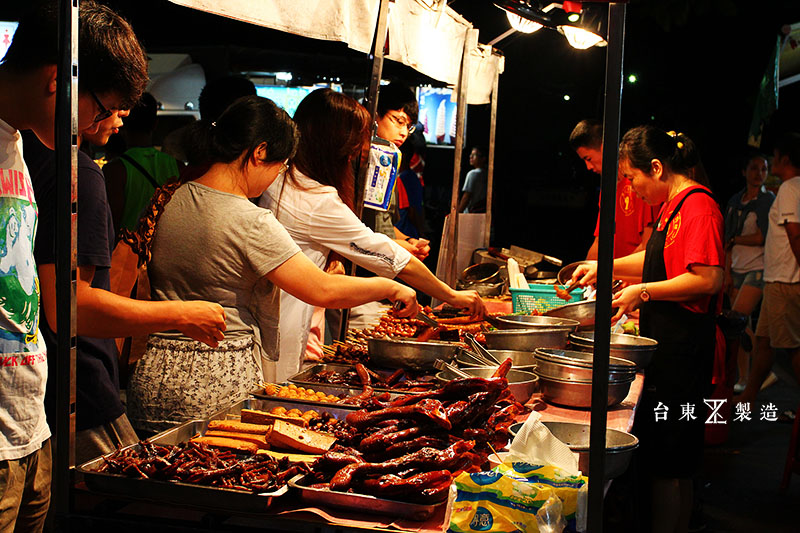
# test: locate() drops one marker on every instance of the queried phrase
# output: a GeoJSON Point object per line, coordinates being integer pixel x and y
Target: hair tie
{"type": "Point", "coordinates": [676, 135]}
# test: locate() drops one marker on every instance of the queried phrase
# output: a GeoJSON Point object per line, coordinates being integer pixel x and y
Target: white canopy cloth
{"type": "Point", "coordinates": [348, 21]}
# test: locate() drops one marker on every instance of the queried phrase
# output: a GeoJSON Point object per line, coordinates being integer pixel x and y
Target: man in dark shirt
{"type": "Point", "coordinates": [101, 423]}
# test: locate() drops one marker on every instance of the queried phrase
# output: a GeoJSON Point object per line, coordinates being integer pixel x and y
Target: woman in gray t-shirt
{"type": "Point", "coordinates": [211, 243]}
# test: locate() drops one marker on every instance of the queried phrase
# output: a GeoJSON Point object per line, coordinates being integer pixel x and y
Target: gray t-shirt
{"type": "Point", "coordinates": [215, 246]}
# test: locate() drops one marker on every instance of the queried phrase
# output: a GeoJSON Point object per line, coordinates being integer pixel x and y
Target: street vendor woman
{"type": "Point", "coordinates": [206, 240]}
{"type": "Point", "coordinates": [314, 202]}
{"type": "Point", "coordinates": [681, 273]}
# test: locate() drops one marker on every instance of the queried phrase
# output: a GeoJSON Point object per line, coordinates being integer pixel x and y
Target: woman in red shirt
{"type": "Point", "coordinates": [678, 280]}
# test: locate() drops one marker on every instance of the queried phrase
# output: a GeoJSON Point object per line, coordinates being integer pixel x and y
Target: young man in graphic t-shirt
{"type": "Point", "coordinates": [633, 217]}
{"type": "Point", "coordinates": [27, 101]}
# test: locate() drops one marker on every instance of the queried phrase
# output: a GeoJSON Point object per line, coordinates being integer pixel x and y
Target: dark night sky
{"type": "Point", "coordinates": [699, 63]}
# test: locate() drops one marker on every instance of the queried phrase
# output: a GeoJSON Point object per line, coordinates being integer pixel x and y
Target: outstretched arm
{"type": "Point", "coordinates": [304, 280]}
{"type": "Point", "coordinates": [103, 314]}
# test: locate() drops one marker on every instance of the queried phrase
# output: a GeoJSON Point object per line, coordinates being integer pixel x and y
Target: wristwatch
{"type": "Point", "coordinates": [644, 295]}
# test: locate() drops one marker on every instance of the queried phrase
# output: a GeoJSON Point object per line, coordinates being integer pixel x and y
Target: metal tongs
{"type": "Point", "coordinates": [480, 351]}
{"type": "Point", "coordinates": [444, 365]}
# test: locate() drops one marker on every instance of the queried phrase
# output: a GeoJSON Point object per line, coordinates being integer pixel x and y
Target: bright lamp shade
{"type": "Point", "coordinates": [522, 25]}
{"type": "Point", "coordinates": [580, 38]}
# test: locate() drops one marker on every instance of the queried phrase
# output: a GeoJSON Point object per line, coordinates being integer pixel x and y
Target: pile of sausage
{"type": "Point", "coordinates": [195, 462]}
{"type": "Point", "coordinates": [411, 448]}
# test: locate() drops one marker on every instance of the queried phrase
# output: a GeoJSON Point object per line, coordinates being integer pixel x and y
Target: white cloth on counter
{"type": "Point", "coordinates": [319, 222]}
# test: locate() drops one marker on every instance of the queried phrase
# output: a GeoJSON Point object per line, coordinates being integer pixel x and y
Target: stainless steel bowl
{"type": "Point", "coordinates": [584, 359]}
{"type": "Point", "coordinates": [619, 445]}
{"type": "Point", "coordinates": [557, 370]}
{"type": "Point", "coordinates": [634, 348]}
{"type": "Point", "coordinates": [579, 393]}
{"type": "Point", "coordinates": [527, 321]}
{"type": "Point", "coordinates": [402, 353]}
{"type": "Point", "coordinates": [521, 384]}
{"type": "Point", "coordinates": [527, 340]}
{"type": "Point", "coordinates": [519, 360]}
{"type": "Point", "coordinates": [583, 312]}
{"type": "Point", "coordinates": [565, 274]}
{"type": "Point", "coordinates": [481, 273]}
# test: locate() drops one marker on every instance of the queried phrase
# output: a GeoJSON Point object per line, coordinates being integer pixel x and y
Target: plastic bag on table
{"type": "Point", "coordinates": [516, 497]}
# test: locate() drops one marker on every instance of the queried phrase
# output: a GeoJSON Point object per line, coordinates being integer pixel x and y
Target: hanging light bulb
{"type": "Point", "coordinates": [580, 38]}
{"type": "Point", "coordinates": [522, 25]}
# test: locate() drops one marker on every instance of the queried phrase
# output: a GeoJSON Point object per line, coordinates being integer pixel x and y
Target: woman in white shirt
{"type": "Point", "coordinates": [314, 201]}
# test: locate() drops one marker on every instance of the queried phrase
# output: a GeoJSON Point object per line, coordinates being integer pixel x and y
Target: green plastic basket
{"type": "Point", "coordinates": [540, 298]}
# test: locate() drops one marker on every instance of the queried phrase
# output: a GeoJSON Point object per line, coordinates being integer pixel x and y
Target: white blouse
{"type": "Point", "coordinates": [319, 222]}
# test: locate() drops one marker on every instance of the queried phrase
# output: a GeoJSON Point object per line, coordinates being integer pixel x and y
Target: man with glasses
{"type": "Point", "coordinates": [397, 116]}
{"type": "Point", "coordinates": [113, 69]}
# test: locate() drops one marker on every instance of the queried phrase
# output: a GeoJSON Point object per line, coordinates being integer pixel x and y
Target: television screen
{"type": "Point", "coordinates": [288, 98]}
{"type": "Point", "coordinates": [7, 30]}
{"type": "Point", "coordinates": [437, 113]}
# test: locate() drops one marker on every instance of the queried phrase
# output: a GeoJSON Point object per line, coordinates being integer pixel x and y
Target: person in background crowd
{"type": "Point", "coordinates": [779, 318]}
{"type": "Point", "coordinates": [214, 98]}
{"type": "Point", "coordinates": [113, 74]}
{"type": "Point", "coordinates": [633, 218]}
{"type": "Point", "coordinates": [473, 193]}
{"type": "Point", "coordinates": [411, 219]}
{"type": "Point", "coordinates": [397, 116]}
{"type": "Point", "coordinates": [205, 239]}
{"type": "Point", "coordinates": [681, 275]}
{"type": "Point", "coordinates": [314, 203]}
{"type": "Point", "coordinates": [746, 221]}
{"type": "Point", "coordinates": [132, 179]}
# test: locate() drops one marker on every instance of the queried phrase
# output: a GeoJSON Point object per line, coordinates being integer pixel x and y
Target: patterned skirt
{"type": "Point", "coordinates": [179, 380]}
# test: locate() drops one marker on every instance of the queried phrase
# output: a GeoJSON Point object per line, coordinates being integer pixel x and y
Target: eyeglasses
{"type": "Point", "coordinates": [400, 123]}
{"type": "Point", "coordinates": [104, 111]}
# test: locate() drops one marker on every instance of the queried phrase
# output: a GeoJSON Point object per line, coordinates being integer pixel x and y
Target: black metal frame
{"type": "Point", "coordinates": [62, 363]}
{"type": "Point", "coordinates": [605, 262]}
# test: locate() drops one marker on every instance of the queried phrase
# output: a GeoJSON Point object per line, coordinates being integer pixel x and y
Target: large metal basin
{"type": "Point", "coordinates": [634, 348]}
{"type": "Point", "coordinates": [527, 340]}
{"type": "Point", "coordinates": [521, 384]}
{"type": "Point", "coordinates": [619, 445]}
{"type": "Point", "coordinates": [528, 321]}
{"type": "Point", "coordinates": [519, 360]}
{"type": "Point", "coordinates": [578, 393]}
{"type": "Point", "coordinates": [395, 353]}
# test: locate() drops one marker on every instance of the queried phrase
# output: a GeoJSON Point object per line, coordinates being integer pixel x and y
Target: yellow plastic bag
{"type": "Point", "coordinates": [517, 497]}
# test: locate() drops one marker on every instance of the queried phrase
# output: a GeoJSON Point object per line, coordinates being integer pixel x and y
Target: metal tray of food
{"type": "Point", "coordinates": [362, 503]}
{"type": "Point", "coordinates": [187, 494]}
{"type": "Point", "coordinates": [327, 389]}
{"type": "Point", "coordinates": [303, 378]}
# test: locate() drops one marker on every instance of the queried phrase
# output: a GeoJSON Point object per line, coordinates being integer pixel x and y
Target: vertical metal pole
{"type": "Point", "coordinates": [487, 231]}
{"type": "Point", "coordinates": [470, 41]}
{"type": "Point", "coordinates": [372, 106]}
{"type": "Point", "coordinates": [605, 263]}
{"type": "Point", "coordinates": [62, 362]}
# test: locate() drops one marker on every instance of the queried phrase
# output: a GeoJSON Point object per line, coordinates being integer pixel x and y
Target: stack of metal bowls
{"type": "Point", "coordinates": [634, 348]}
{"type": "Point", "coordinates": [565, 377]}
{"type": "Point", "coordinates": [521, 384]}
{"type": "Point", "coordinates": [529, 333]}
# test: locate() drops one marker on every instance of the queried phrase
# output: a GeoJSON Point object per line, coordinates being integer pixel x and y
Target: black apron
{"type": "Point", "coordinates": [679, 374]}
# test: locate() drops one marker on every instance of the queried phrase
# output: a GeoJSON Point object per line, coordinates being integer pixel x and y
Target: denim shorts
{"type": "Point", "coordinates": [754, 278]}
